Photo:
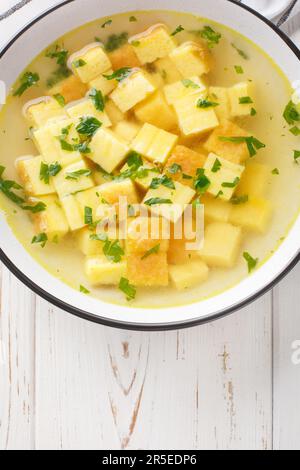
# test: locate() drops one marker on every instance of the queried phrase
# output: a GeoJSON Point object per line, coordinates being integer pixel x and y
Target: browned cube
{"type": "Point", "coordinates": [188, 160]}
{"type": "Point", "coordinates": [71, 89]}
{"type": "Point", "coordinates": [148, 272]}
{"type": "Point", "coordinates": [124, 57]}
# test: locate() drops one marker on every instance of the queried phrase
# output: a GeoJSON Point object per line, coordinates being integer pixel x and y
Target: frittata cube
{"type": "Point", "coordinates": [40, 113]}
{"type": "Point", "coordinates": [145, 234]}
{"type": "Point", "coordinates": [125, 56]}
{"type": "Point", "coordinates": [29, 169]}
{"type": "Point", "coordinates": [221, 245]}
{"type": "Point", "coordinates": [153, 44]}
{"type": "Point", "coordinates": [111, 192]}
{"type": "Point", "coordinates": [108, 150]}
{"type": "Point", "coordinates": [148, 272]}
{"type": "Point", "coordinates": [71, 88]}
{"type": "Point", "coordinates": [73, 212]}
{"type": "Point", "coordinates": [183, 164]}
{"type": "Point", "coordinates": [223, 175]}
{"type": "Point", "coordinates": [153, 143]}
{"type": "Point", "coordinates": [132, 90]}
{"type": "Point", "coordinates": [127, 130]}
{"type": "Point", "coordinates": [100, 271]}
{"type": "Point", "coordinates": [102, 84]}
{"type": "Point", "coordinates": [188, 275]}
{"type": "Point", "coordinates": [156, 111]}
{"type": "Point", "coordinates": [86, 108]}
{"type": "Point", "coordinates": [114, 113]}
{"type": "Point", "coordinates": [90, 62]}
{"type": "Point", "coordinates": [195, 120]}
{"type": "Point", "coordinates": [255, 180]}
{"type": "Point", "coordinates": [216, 210]}
{"type": "Point", "coordinates": [192, 58]}
{"type": "Point", "coordinates": [220, 95]}
{"type": "Point", "coordinates": [241, 98]}
{"type": "Point", "coordinates": [144, 175]}
{"type": "Point", "coordinates": [183, 88]}
{"type": "Point", "coordinates": [88, 244]}
{"type": "Point", "coordinates": [73, 178]}
{"type": "Point", "coordinates": [168, 70]}
{"type": "Point", "coordinates": [51, 221]}
{"type": "Point", "coordinates": [254, 215]}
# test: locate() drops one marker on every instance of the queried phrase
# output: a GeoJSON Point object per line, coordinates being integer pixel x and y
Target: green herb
{"type": "Point", "coordinates": [115, 41]}
{"type": "Point", "coordinates": [83, 290]}
{"type": "Point", "coordinates": [177, 30]}
{"type": "Point", "coordinates": [187, 83]}
{"type": "Point", "coordinates": [296, 155]}
{"type": "Point", "coordinates": [28, 80]}
{"type": "Point", "coordinates": [253, 144]}
{"type": "Point", "coordinates": [127, 289]}
{"type": "Point", "coordinates": [88, 126]}
{"type": "Point", "coordinates": [231, 185]}
{"type": "Point", "coordinates": [135, 43]}
{"type": "Point", "coordinates": [120, 74]}
{"type": "Point", "coordinates": [134, 160]}
{"type": "Point", "coordinates": [163, 181]}
{"type": "Point", "coordinates": [175, 168]}
{"type": "Point", "coordinates": [216, 166]}
{"type": "Point", "coordinates": [208, 34]}
{"type": "Point", "coordinates": [154, 201]}
{"type": "Point", "coordinates": [49, 170]}
{"type": "Point", "coordinates": [152, 251]}
{"type": "Point", "coordinates": [60, 99]}
{"type": "Point", "coordinates": [113, 251]}
{"type": "Point", "coordinates": [186, 177]}
{"type": "Point", "coordinates": [245, 100]}
{"type": "Point", "coordinates": [295, 131]}
{"type": "Point", "coordinates": [236, 200]}
{"type": "Point", "coordinates": [98, 99]}
{"type": "Point", "coordinates": [275, 171]}
{"type": "Point", "coordinates": [61, 56]}
{"type": "Point", "coordinates": [239, 70]}
{"type": "Point", "coordinates": [82, 147]}
{"type": "Point", "coordinates": [253, 112]}
{"type": "Point", "coordinates": [220, 193]}
{"type": "Point", "coordinates": [76, 175]}
{"type": "Point", "coordinates": [107, 23]}
{"type": "Point", "coordinates": [79, 63]}
{"type": "Point", "coordinates": [201, 183]}
{"type": "Point", "coordinates": [252, 263]}
{"type": "Point", "coordinates": [102, 237]}
{"type": "Point", "coordinates": [42, 239]}
{"type": "Point", "coordinates": [240, 52]}
{"type": "Point", "coordinates": [132, 19]}
{"type": "Point", "coordinates": [203, 104]}
{"type": "Point", "coordinates": [35, 209]}
{"type": "Point", "coordinates": [291, 115]}
{"type": "Point", "coordinates": [65, 145]}
{"type": "Point", "coordinates": [88, 215]}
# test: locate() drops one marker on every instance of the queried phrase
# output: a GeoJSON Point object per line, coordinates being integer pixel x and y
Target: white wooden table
{"type": "Point", "coordinates": [69, 384]}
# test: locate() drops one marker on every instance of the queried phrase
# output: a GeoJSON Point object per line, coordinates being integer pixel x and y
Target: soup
{"type": "Point", "coordinates": [174, 113]}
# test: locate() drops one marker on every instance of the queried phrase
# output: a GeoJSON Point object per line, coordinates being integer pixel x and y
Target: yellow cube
{"type": "Point", "coordinates": [153, 44]}
{"type": "Point", "coordinates": [192, 58]}
{"type": "Point", "coordinates": [144, 175]}
{"type": "Point", "coordinates": [108, 150]}
{"type": "Point", "coordinates": [102, 84]}
{"type": "Point", "coordinates": [127, 130]}
{"type": "Point", "coordinates": [183, 88]}
{"type": "Point", "coordinates": [153, 143]}
{"type": "Point", "coordinates": [73, 212]}
{"type": "Point", "coordinates": [188, 275]}
{"type": "Point", "coordinates": [86, 108]}
{"type": "Point", "coordinates": [254, 215]}
{"type": "Point", "coordinates": [90, 62]}
{"type": "Point", "coordinates": [73, 178]}
{"type": "Point", "coordinates": [28, 169]}
{"type": "Point", "coordinates": [156, 111]}
{"type": "Point", "coordinates": [101, 209]}
{"type": "Point", "coordinates": [223, 175]}
{"type": "Point", "coordinates": [100, 271]}
{"type": "Point", "coordinates": [125, 56]}
{"type": "Point", "coordinates": [220, 95]}
{"type": "Point", "coordinates": [145, 234]}
{"type": "Point", "coordinates": [255, 180]}
{"type": "Point", "coordinates": [194, 120]}
{"type": "Point", "coordinates": [72, 89]}
{"type": "Point", "coordinates": [216, 210]}
{"type": "Point", "coordinates": [132, 90]}
{"type": "Point", "coordinates": [46, 109]}
{"type": "Point", "coordinates": [188, 161]}
{"type": "Point", "coordinates": [114, 113]}
{"type": "Point", "coordinates": [51, 221]}
{"type": "Point", "coordinates": [167, 202]}
{"type": "Point", "coordinates": [88, 245]}
{"type": "Point", "coordinates": [111, 192]}
{"type": "Point", "coordinates": [148, 272]}
{"type": "Point", "coordinates": [233, 151]}
{"type": "Point", "coordinates": [221, 245]}
{"type": "Point", "coordinates": [241, 98]}
{"type": "Point", "coordinates": [179, 254]}
{"type": "Point", "coordinates": [168, 70]}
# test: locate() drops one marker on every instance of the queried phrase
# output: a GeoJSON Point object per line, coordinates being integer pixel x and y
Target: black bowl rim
{"type": "Point", "coordinates": [141, 326]}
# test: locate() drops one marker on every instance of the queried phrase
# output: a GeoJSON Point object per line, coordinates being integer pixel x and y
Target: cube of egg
{"type": "Point", "coordinates": [220, 95]}
{"type": "Point", "coordinates": [73, 178]}
{"type": "Point", "coordinates": [255, 180]}
{"type": "Point", "coordinates": [156, 111]}
{"type": "Point", "coordinates": [222, 243]}
{"type": "Point", "coordinates": [145, 234]}
{"type": "Point", "coordinates": [87, 244]}
{"type": "Point", "coordinates": [86, 108]}
{"type": "Point", "coordinates": [191, 59]}
{"type": "Point", "coordinates": [100, 271]}
{"type": "Point", "coordinates": [112, 191]}
{"type": "Point", "coordinates": [29, 169]}
{"type": "Point", "coordinates": [223, 175]}
{"type": "Point", "coordinates": [124, 56]}
{"type": "Point", "coordinates": [167, 202]}
{"type": "Point", "coordinates": [241, 99]}
{"type": "Point", "coordinates": [102, 84]}
{"type": "Point", "coordinates": [186, 163]}
{"type": "Point", "coordinates": [254, 215]}
{"type": "Point", "coordinates": [153, 44]}
{"type": "Point", "coordinates": [188, 275]}
{"type": "Point", "coordinates": [216, 210]}
{"type": "Point", "coordinates": [114, 113]}
{"type": "Point", "coordinates": [183, 88]}
{"type": "Point", "coordinates": [73, 212]}
{"type": "Point", "coordinates": [127, 130]}
{"type": "Point", "coordinates": [235, 152]}
{"type": "Point", "coordinates": [39, 113]}
{"type": "Point", "coordinates": [168, 70]}
{"type": "Point", "coordinates": [148, 272]}
{"type": "Point", "coordinates": [52, 220]}
{"type": "Point", "coordinates": [90, 62]}
{"type": "Point", "coordinates": [71, 88]}
{"type": "Point", "coordinates": [179, 254]}
{"type": "Point", "coordinates": [194, 120]}
{"type": "Point", "coordinates": [108, 150]}
{"type": "Point", "coordinates": [132, 90]}
{"type": "Point", "coordinates": [153, 143]}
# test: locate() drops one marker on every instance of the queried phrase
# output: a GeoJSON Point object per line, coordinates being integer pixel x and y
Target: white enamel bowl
{"type": "Point", "coordinates": [69, 15]}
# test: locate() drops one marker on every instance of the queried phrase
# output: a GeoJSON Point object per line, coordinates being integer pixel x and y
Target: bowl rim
{"type": "Point", "coordinates": [141, 326]}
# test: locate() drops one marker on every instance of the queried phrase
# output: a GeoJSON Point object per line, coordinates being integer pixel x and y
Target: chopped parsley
{"type": "Point", "coordinates": [187, 83]}
{"type": "Point", "coordinates": [296, 155]}
{"type": "Point", "coordinates": [61, 56]}
{"type": "Point", "coordinates": [88, 215]}
{"type": "Point", "coordinates": [174, 168]}
{"type": "Point", "coordinates": [115, 41]}
{"type": "Point", "coordinates": [78, 63]}
{"type": "Point", "coordinates": [35, 209]}
{"type": "Point", "coordinates": [83, 290]}
{"type": "Point", "coordinates": [236, 200]}
{"type": "Point", "coordinates": [127, 289]}
{"type": "Point", "coordinates": [155, 201]}
{"type": "Point", "coordinates": [253, 112]}
{"type": "Point", "coordinates": [231, 185]}
{"type": "Point", "coordinates": [177, 30]}
{"type": "Point", "coordinates": [209, 35]}
{"type": "Point", "coordinates": [41, 239]}
{"type": "Point", "coordinates": [106, 23]}
{"type": "Point", "coordinates": [290, 114]}
{"type": "Point", "coordinates": [252, 263]}
{"type": "Point", "coordinates": [152, 251]}
{"type": "Point", "coordinates": [216, 166]}
{"type": "Point", "coordinates": [134, 160]}
{"type": "Point", "coordinates": [239, 69]}
{"type": "Point", "coordinates": [253, 144]}
{"type": "Point", "coordinates": [113, 251]}
{"type": "Point", "coordinates": [163, 181]}
{"type": "Point", "coordinates": [135, 43]}
{"type": "Point", "coordinates": [295, 131]}
{"type": "Point", "coordinates": [245, 100]}
{"type": "Point", "coordinates": [28, 80]}
{"type": "Point", "coordinates": [120, 74]}
{"type": "Point", "coordinates": [60, 99]}
{"type": "Point", "coordinates": [132, 19]}
{"type": "Point", "coordinates": [76, 175]}
{"type": "Point", "coordinates": [203, 104]}
{"type": "Point", "coordinates": [240, 52]}
{"type": "Point", "coordinates": [275, 171]}
{"type": "Point", "coordinates": [88, 126]}
{"type": "Point", "coordinates": [98, 99]}
{"type": "Point", "coordinates": [46, 171]}
{"type": "Point", "coordinates": [201, 183]}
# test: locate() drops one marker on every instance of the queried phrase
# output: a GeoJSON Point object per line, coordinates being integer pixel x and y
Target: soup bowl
{"type": "Point", "coordinates": [44, 30]}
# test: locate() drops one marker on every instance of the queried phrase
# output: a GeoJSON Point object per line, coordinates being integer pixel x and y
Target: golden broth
{"type": "Point", "coordinates": [272, 94]}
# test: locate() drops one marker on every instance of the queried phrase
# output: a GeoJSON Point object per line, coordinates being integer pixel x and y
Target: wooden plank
{"type": "Point", "coordinates": [287, 363]}
{"type": "Point", "coordinates": [17, 338]}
